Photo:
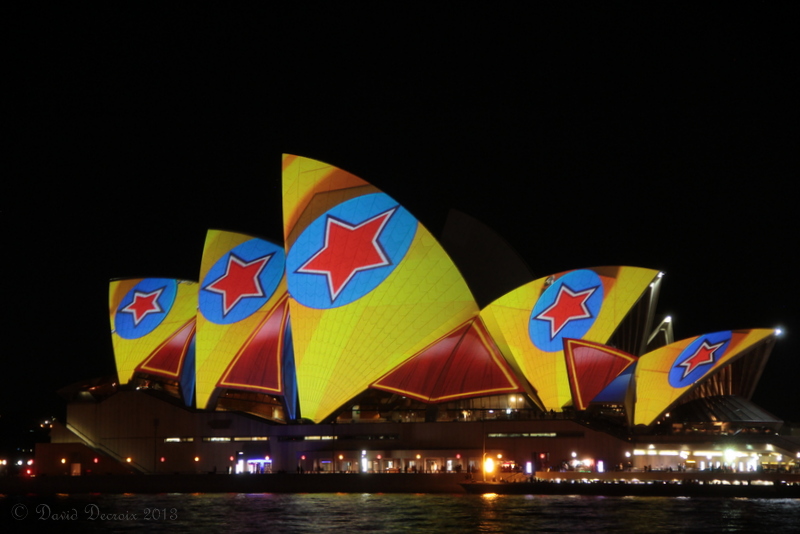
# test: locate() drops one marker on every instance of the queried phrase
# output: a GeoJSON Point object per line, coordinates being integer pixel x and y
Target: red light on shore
{"type": "Point", "coordinates": [163, 459]}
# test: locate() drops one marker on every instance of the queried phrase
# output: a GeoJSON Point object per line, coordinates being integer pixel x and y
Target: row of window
{"type": "Point", "coordinates": [224, 439]}
{"type": "Point", "coordinates": [567, 434]}
{"type": "Point", "coordinates": [367, 437]}
{"type": "Point", "coordinates": [370, 437]}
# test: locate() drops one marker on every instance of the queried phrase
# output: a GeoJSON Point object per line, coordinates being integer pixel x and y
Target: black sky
{"type": "Point", "coordinates": [661, 137]}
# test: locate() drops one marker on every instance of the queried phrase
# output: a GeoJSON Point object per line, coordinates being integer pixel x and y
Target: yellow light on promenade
{"type": "Point", "coordinates": [488, 465]}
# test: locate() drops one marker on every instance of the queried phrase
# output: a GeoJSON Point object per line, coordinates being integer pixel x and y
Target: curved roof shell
{"type": "Point", "coordinates": [665, 376]}
{"type": "Point", "coordinates": [531, 323]}
{"type": "Point", "coordinates": [153, 327]}
{"type": "Point", "coordinates": [242, 316]}
{"type": "Point", "coordinates": [370, 287]}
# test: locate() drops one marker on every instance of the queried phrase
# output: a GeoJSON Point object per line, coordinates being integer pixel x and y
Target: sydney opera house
{"type": "Point", "coordinates": [362, 343]}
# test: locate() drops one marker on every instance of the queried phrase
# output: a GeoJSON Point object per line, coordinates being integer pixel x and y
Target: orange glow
{"type": "Point", "coordinates": [488, 466]}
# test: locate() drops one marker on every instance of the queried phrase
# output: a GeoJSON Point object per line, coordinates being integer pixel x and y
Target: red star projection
{"type": "Point", "coordinates": [143, 304]}
{"type": "Point", "coordinates": [704, 355]}
{"type": "Point", "coordinates": [241, 280]}
{"type": "Point", "coordinates": [348, 250]}
{"type": "Point", "coordinates": [568, 306]}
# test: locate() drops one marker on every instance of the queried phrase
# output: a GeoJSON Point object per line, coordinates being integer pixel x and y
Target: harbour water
{"type": "Point", "coordinates": [387, 513]}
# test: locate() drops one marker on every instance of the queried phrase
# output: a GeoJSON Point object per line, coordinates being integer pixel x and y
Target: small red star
{"type": "Point", "coordinates": [704, 354]}
{"type": "Point", "coordinates": [143, 304]}
{"type": "Point", "coordinates": [241, 280]}
{"type": "Point", "coordinates": [348, 249]}
{"type": "Point", "coordinates": [568, 306]}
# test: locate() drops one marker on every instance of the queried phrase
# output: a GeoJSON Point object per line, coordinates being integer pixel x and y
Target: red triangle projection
{"type": "Point", "coordinates": [257, 365]}
{"type": "Point", "coordinates": [591, 367]}
{"type": "Point", "coordinates": [167, 359]}
{"type": "Point", "coordinates": [464, 363]}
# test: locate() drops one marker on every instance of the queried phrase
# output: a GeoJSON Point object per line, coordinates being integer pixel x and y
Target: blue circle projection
{"type": "Point", "coordinates": [568, 308]}
{"type": "Point", "coordinates": [144, 307]}
{"type": "Point", "coordinates": [241, 281]}
{"type": "Point", "coordinates": [348, 251]}
{"type": "Point", "coordinates": [698, 358]}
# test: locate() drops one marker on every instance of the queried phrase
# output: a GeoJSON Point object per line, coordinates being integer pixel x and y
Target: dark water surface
{"type": "Point", "coordinates": [239, 513]}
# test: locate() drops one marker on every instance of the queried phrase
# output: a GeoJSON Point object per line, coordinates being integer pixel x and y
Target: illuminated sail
{"type": "Point", "coordinates": [242, 317]}
{"type": "Point", "coordinates": [531, 323]}
{"type": "Point", "coordinates": [370, 287]}
{"type": "Point", "coordinates": [591, 367]}
{"type": "Point", "coordinates": [152, 326]}
{"type": "Point", "coordinates": [663, 376]}
{"type": "Point", "coordinates": [465, 363]}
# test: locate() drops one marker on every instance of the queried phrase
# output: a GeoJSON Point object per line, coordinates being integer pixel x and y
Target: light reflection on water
{"type": "Point", "coordinates": [242, 513]}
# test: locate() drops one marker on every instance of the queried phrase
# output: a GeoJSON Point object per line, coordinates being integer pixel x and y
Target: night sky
{"type": "Point", "coordinates": [663, 138]}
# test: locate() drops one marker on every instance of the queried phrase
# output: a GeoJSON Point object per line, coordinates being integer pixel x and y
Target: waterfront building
{"type": "Point", "coordinates": [361, 345]}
